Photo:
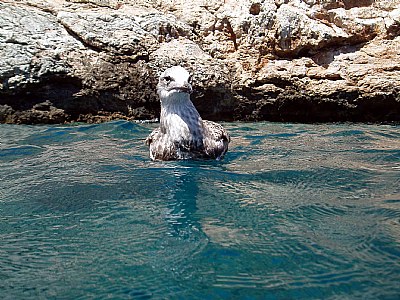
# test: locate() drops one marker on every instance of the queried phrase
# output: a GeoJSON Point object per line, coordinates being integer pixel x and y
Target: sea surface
{"type": "Point", "coordinates": [294, 211]}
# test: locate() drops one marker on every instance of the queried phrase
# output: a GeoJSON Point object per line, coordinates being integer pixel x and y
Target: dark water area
{"type": "Point", "coordinates": [293, 212]}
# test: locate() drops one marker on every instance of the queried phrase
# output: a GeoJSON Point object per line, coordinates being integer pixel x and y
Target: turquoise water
{"type": "Point", "coordinates": [292, 212]}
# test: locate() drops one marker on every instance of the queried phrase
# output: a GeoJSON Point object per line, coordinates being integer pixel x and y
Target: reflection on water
{"type": "Point", "coordinates": [293, 211]}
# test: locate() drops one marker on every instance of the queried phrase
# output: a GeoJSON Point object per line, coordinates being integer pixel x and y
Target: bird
{"type": "Point", "coordinates": [182, 133]}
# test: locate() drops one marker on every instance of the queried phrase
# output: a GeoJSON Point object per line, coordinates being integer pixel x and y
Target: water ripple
{"type": "Point", "coordinates": [293, 212]}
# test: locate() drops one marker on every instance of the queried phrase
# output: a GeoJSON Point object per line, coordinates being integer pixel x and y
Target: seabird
{"type": "Point", "coordinates": [182, 133]}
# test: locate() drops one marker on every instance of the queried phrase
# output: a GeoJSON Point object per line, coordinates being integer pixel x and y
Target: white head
{"type": "Point", "coordinates": [174, 82]}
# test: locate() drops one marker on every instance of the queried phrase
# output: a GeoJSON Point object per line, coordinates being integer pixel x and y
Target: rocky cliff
{"type": "Point", "coordinates": [278, 60]}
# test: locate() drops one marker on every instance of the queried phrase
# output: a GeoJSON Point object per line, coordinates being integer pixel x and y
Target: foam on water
{"type": "Point", "coordinates": [293, 212]}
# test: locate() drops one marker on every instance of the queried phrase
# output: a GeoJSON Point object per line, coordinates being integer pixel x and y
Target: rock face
{"type": "Point", "coordinates": [278, 60]}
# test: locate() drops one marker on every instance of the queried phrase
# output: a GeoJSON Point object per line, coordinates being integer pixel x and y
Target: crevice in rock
{"type": "Point", "coordinates": [79, 39]}
{"type": "Point", "coordinates": [42, 8]}
{"type": "Point", "coordinates": [226, 27]}
{"type": "Point", "coordinates": [348, 4]}
{"type": "Point", "coordinates": [231, 33]}
{"type": "Point", "coordinates": [326, 57]}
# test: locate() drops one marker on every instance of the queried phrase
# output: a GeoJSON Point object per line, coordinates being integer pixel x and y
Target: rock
{"type": "Point", "coordinates": [337, 85]}
{"type": "Point", "coordinates": [6, 114]}
{"type": "Point", "coordinates": [279, 60]}
{"type": "Point", "coordinates": [125, 88]}
{"type": "Point", "coordinates": [31, 42]}
{"type": "Point", "coordinates": [117, 34]}
{"type": "Point", "coordinates": [46, 114]}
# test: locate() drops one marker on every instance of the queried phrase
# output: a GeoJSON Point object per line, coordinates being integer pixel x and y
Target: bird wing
{"type": "Point", "coordinates": [152, 136]}
{"type": "Point", "coordinates": [216, 139]}
{"type": "Point", "coordinates": [217, 131]}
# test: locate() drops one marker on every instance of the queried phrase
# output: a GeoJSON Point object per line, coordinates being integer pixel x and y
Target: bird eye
{"type": "Point", "coordinates": [168, 78]}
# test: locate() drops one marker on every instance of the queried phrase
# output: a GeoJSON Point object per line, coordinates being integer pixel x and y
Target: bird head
{"type": "Point", "coordinates": [173, 82]}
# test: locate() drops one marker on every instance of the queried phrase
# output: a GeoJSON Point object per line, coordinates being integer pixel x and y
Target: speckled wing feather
{"type": "Point", "coordinates": [216, 139]}
{"type": "Point", "coordinates": [152, 136]}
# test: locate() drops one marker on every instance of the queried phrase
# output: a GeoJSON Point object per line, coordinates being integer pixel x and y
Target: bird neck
{"type": "Point", "coordinates": [179, 118]}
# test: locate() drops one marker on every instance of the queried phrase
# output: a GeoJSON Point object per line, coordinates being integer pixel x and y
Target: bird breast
{"type": "Point", "coordinates": [176, 127]}
{"type": "Point", "coordinates": [181, 123]}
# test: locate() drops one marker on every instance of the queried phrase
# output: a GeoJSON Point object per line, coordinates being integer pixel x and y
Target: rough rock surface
{"type": "Point", "coordinates": [279, 60]}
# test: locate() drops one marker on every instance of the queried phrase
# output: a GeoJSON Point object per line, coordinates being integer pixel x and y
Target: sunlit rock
{"type": "Point", "coordinates": [94, 60]}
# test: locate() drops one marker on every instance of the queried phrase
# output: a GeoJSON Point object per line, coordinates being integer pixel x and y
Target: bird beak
{"type": "Point", "coordinates": [186, 87]}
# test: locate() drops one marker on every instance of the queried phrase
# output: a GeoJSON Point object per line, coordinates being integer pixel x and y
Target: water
{"type": "Point", "coordinates": [293, 212]}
